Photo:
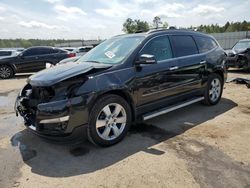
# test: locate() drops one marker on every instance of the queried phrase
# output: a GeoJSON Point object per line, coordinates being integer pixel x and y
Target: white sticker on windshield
{"type": "Point", "coordinates": [110, 54]}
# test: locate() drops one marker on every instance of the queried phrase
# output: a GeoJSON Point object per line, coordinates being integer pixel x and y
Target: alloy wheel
{"type": "Point", "coordinates": [5, 72]}
{"type": "Point", "coordinates": [215, 90]}
{"type": "Point", "coordinates": [111, 121]}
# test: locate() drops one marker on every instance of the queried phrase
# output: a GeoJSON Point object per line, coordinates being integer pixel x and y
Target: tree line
{"type": "Point", "coordinates": [133, 26]}
{"type": "Point", "coordinates": [26, 43]}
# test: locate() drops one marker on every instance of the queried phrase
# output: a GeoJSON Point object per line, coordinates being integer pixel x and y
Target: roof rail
{"type": "Point", "coordinates": [157, 30]}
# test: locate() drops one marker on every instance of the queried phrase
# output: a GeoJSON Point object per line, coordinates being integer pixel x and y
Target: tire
{"type": "Point", "coordinates": [6, 72]}
{"type": "Point", "coordinates": [213, 90]}
{"type": "Point", "coordinates": [105, 127]}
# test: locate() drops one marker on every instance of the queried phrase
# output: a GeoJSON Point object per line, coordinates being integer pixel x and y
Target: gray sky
{"type": "Point", "coordinates": [90, 19]}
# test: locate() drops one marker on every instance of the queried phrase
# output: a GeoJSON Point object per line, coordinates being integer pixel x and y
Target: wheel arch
{"type": "Point", "coordinates": [220, 73]}
{"type": "Point", "coordinates": [13, 67]}
{"type": "Point", "coordinates": [125, 95]}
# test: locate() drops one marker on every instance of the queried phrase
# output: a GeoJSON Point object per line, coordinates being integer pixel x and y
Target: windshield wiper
{"type": "Point", "coordinates": [93, 61]}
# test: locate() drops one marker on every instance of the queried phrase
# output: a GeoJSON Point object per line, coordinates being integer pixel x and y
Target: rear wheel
{"type": "Point", "coordinates": [110, 119]}
{"type": "Point", "coordinates": [6, 72]}
{"type": "Point", "coordinates": [214, 89]}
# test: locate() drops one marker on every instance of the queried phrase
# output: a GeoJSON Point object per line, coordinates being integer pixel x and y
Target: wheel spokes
{"type": "Point", "coordinates": [111, 121]}
{"type": "Point", "coordinates": [215, 89]}
{"type": "Point", "coordinates": [121, 119]}
{"type": "Point", "coordinates": [106, 110]}
{"type": "Point", "coordinates": [106, 132]}
{"type": "Point", "coordinates": [116, 131]}
{"type": "Point", "coordinates": [117, 110]}
{"type": "Point", "coordinates": [100, 123]}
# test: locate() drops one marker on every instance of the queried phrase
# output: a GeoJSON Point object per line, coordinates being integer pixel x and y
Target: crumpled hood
{"type": "Point", "coordinates": [232, 51]}
{"type": "Point", "coordinates": [59, 73]}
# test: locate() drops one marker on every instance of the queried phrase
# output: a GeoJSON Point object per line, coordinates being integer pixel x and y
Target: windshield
{"type": "Point", "coordinates": [112, 51]}
{"type": "Point", "coordinates": [242, 45]}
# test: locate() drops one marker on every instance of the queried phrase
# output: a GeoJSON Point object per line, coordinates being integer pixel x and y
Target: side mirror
{"type": "Point", "coordinates": [230, 54]}
{"type": "Point", "coordinates": [21, 55]}
{"type": "Point", "coordinates": [146, 59]}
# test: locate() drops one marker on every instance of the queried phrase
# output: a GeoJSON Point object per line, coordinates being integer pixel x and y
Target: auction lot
{"type": "Point", "coordinates": [197, 146]}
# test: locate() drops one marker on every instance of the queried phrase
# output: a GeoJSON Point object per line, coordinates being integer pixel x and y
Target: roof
{"type": "Point", "coordinates": [165, 31]}
{"type": "Point", "coordinates": [248, 40]}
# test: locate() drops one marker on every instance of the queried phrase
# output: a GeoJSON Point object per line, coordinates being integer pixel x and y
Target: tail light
{"type": "Point", "coordinates": [71, 55]}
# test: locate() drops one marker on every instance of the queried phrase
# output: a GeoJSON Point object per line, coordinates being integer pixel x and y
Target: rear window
{"type": "Point", "coordinates": [5, 53]}
{"type": "Point", "coordinates": [205, 44]}
{"type": "Point", "coordinates": [183, 45]}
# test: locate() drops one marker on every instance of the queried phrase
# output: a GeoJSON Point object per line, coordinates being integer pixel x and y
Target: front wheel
{"type": "Point", "coordinates": [213, 90]}
{"type": "Point", "coordinates": [109, 120]}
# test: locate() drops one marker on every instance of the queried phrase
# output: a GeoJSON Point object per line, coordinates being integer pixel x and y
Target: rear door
{"type": "Point", "coordinates": [190, 64]}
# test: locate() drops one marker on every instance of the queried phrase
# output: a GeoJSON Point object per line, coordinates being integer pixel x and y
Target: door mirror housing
{"type": "Point", "coordinates": [21, 55]}
{"type": "Point", "coordinates": [146, 59]}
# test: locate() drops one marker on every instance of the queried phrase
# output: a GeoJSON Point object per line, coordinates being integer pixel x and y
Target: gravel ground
{"type": "Point", "coordinates": [197, 146]}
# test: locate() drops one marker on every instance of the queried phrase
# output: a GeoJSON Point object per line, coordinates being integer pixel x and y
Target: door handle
{"type": "Point", "coordinates": [202, 62]}
{"type": "Point", "coordinates": [173, 68]}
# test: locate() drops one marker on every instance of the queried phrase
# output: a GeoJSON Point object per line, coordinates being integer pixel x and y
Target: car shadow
{"type": "Point", "coordinates": [53, 160]}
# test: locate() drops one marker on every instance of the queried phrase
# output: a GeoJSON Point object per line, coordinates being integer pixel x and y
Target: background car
{"type": "Point", "coordinates": [239, 55]}
{"type": "Point", "coordinates": [70, 49]}
{"type": "Point", "coordinates": [8, 53]}
{"type": "Point", "coordinates": [69, 60]}
{"type": "Point", "coordinates": [32, 60]}
{"type": "Point", "coordinates": [82, 50]}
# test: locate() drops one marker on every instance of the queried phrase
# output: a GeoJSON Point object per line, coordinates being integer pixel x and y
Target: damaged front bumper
{"type": "Point", "coordinates": [57, 119]}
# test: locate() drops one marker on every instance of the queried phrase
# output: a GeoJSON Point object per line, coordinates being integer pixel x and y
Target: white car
{"type": "Point", "coordinates": [70, 49]}
{"type": "Point", "coordinates": [69, 60]}
{"type": "Point", "coordinates": [82, 50]}
{"type": "Point", "coordinates": [8, 53]}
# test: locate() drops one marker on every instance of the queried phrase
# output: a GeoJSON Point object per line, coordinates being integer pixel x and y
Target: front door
{"type": "Point", "coordinates": [156, 81]}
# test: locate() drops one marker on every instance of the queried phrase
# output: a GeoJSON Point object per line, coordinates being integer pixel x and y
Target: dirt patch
{"type": "Point", "coordinates": [209, 166]}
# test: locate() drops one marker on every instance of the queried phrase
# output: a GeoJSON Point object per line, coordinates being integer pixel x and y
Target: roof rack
{"type": "Point", "coordinates": [161, 29]}
{"type": "Point", "coordinates": [156, 30]}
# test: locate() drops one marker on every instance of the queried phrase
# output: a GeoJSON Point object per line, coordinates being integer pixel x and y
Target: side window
{"type": "Point", "coordinates": [31, 52]}
{"type": "Point", "coordinates": [45, 51]}
{"type": "Point", "coordinates": [205, 44]}
{"type": "Point", "coordinates": [159, 47]}
{"type": "Point", "coordinates": [5, 53]}
{"type": "Point", "coordinates": [183, 45]}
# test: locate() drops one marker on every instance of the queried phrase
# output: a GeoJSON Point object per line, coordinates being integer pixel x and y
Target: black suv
{"type": "Point", "coordinates": [31, 60]}
{"type": "Point", "coordinates": [239, 55]}
{"type": "Point", "coordinates": [124, 79]}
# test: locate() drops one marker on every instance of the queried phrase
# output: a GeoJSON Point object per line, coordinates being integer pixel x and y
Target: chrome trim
{"type": "Point", "coordinates": [55, 120]}
{"type": "Point", "coordinates": [32, 127]}
{"type": "Point", "coordinates": [202, 62]}
{"type": "Point", "coordinates": [173, 68]}
{"type": "Point", "coordinates": [166, 110]}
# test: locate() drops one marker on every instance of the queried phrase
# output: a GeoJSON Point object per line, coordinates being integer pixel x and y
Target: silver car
{"type": "Point", "coordinates": [8, 53]}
